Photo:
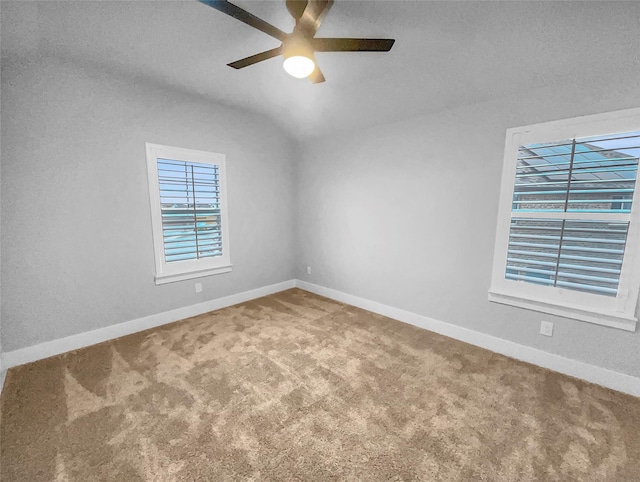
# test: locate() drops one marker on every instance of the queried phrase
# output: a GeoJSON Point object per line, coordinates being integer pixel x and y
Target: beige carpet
{"type": "Point", "coordinates": [297, 387]}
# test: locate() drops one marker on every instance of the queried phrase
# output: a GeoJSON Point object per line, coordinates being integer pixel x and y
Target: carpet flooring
{"type": "Point", "coordinates": [296, 387]}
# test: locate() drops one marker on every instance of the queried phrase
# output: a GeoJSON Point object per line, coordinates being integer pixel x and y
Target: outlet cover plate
{"type": "Point", "coordinates": [546, 328]}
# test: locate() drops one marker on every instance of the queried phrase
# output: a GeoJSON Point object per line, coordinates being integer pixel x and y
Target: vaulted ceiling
{"type": "Point", "coordinates": [446, 53]}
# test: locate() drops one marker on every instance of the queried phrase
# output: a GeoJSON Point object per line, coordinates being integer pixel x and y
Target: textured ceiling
{"type": "Point", "coordinates": [446, 53]}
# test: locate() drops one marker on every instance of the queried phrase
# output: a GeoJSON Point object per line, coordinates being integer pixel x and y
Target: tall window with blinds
{"type": "Point", "coordinates": [569, 238]}
{"type": "Point", "coordinates": [188, 200]}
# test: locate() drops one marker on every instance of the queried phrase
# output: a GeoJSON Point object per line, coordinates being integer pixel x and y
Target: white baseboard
{"type": "Point", "coordinates": [81, 340]}
{"type": "Point", "coordinates": [3, 375]}
{"type": "Point", "coordinates": [591, 373]}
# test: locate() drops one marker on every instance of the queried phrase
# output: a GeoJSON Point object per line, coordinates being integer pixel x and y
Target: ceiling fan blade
{"type": "Point", "coordinates": [254, 59]}
{"type": "Point", "coordinates": [313, 16]}
{"type": "Point", "coordinates": [352, 44]}
{"type": "Point", "coordinates": [236, 12]}
{"type": "Point", "coordinates": [296, 8]}
{"type": "Point", "coordinates": [316, 76]}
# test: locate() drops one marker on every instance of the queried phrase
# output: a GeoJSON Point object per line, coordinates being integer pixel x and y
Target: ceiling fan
{"type": "Point", "coordinates": [299, 46]}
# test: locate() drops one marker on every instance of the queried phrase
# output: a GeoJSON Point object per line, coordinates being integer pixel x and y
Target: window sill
{"type": "Point", "coordinates": [614, 320]}
{"type": "Point", "coordinates": [170, 278]}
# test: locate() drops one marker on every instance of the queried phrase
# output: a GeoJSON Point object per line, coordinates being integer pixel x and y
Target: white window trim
{"type": "Point", "coordinates": [189, 269]}
{"type": "Point", "coordinates": [618, 312]}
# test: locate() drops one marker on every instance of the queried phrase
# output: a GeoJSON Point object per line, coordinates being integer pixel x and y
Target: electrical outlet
{"type": "Point", "coordinates": [198, 287]}
{"type": "Point", "coordinates": [546, 328]}
{"type": "Point", "coordinates": [308, 269]}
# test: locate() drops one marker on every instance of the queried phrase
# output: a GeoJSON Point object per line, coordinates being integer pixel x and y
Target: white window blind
{"type": "Point", "coordinates": [187, 191]}
{"type": "Point", "coordinates": [585, 188]}
{"type": "Point", "coordinates": [190, 203]}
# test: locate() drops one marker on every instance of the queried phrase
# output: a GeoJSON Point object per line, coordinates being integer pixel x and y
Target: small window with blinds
{"type": "Point", "coordinates": [188, 202]}
{"type": "Point", "coordinates": [190, 205]}
{"type": "Point", "coordinates": [567, 240]}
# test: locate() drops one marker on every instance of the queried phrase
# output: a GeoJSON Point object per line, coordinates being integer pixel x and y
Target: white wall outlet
{"type": "Point", "coordinates": [198, 287]}
{"type": "Point", "coordinates": [308, 269]}
{"type": "Point", "coordinates": [546, 328]}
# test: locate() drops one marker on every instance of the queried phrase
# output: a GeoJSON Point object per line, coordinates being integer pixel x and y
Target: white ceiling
{"type": "Point", "coordinates": [446, 53]}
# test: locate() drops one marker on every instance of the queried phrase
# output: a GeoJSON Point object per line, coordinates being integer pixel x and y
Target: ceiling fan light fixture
{"type": "Point", "coordinates": [299, 66]}
{"type": "Point", "coordinates": [299, 47]}
{"type": "Point", "coordinates": [298, 56]}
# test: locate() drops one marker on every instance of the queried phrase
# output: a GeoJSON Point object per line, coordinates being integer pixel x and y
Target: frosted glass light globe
{"type": "Point", "coordinates": [299, 66]}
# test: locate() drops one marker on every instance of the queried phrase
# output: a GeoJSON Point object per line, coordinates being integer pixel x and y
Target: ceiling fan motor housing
{"type": "Point", "coordinates": [297, 44]}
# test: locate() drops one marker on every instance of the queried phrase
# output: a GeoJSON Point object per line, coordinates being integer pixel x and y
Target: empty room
{"type": "Point", "coordinates": [316, 240]}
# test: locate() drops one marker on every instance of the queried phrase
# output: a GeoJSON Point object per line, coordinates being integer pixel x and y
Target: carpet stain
{"type": "Point", "coordinates": [296, 387]}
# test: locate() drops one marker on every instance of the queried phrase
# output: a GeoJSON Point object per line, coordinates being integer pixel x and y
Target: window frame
{"type": "Point", "coordinates": [194, 268]}
{"type": "Point", "coordinates": [619, 311]}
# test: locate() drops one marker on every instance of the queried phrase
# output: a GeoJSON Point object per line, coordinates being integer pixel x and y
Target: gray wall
{"type": "Point", "coordinates": [77, 251]}
{"type": "Point", "coordinates": [405, 214]}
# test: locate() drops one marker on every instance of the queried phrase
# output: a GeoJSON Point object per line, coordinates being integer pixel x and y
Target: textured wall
{"type": "Point", "coordinates": [405, 214]}
{"type": "Point", "coordinates": [77, 251]}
